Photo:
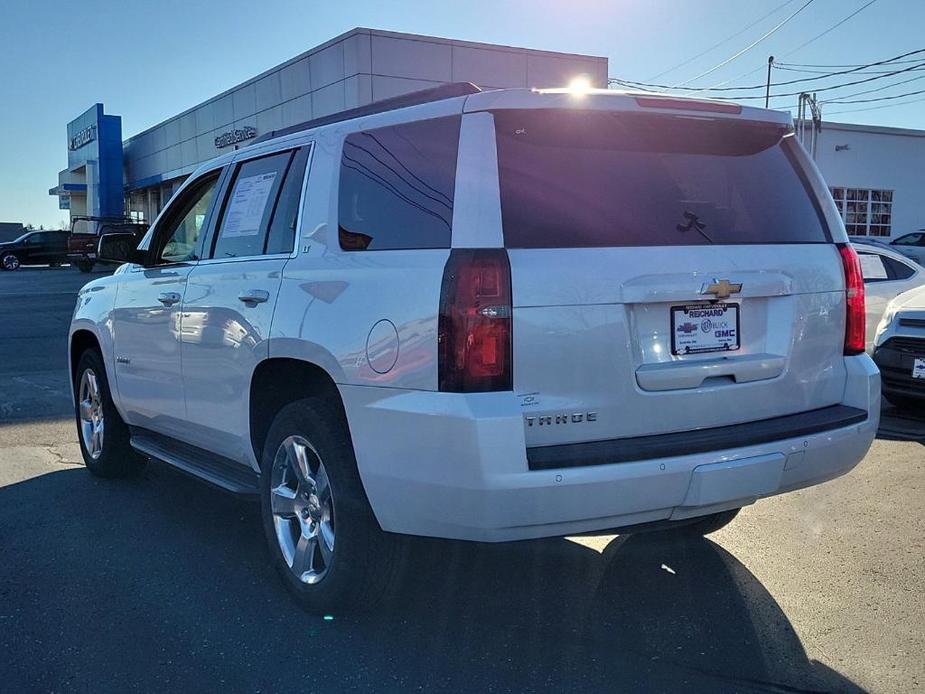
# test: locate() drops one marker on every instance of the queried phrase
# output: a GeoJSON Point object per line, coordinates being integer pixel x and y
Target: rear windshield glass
{"type": "Point", "coordinates": [593, 178]}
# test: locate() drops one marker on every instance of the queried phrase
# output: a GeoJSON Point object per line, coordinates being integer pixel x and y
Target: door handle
{"type": "Point", "coordinates": [169, 298]}
{"type": "Point", "coordinates": [254, 296]}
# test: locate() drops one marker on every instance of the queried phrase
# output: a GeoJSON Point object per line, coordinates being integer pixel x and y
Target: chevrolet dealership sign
{"type": "Point", "coordinates": [233, 137]}
{"type": "Point", "coordinates": [82, 137]}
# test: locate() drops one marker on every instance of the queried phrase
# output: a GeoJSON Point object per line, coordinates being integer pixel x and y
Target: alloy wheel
{"type": "Point", "coordinates": [302, 505]}
{"type": "Point", "coordinates": [90, 410]}
{"type": "Point", "coordinates": [10, 262]}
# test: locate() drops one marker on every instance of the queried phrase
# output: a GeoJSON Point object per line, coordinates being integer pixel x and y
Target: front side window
{"type": "Point", "coordinates": [908, 240]}
{"type": "Point", "coordinates": [178, 241]}
{"type": "Point", "coordinates": [397, 185]}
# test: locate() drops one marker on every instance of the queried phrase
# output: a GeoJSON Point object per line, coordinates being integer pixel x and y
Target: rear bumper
{"type": "Point", "coordinates": [455, 466]}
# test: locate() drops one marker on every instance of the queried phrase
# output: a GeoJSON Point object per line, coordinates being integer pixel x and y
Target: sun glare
{"type": "Point", "coordinates": [579, 85]}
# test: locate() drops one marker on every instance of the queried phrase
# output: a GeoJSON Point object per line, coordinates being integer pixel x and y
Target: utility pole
{"type": "Point", "coordinates": [767, 91]}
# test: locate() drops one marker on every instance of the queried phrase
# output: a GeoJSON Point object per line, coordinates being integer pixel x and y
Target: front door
{"type": "Point", "coordinates": [231, 296]}
{"type": "Point", "coordinates": [146, 319]}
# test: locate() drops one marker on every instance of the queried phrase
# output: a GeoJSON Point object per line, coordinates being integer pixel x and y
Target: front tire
{"type": "Point", "coordinates": [323, 538]}
{"type": "Point", "coordinates": [103, 436]}
{"type": "Point", "coordinates": [9, 261]}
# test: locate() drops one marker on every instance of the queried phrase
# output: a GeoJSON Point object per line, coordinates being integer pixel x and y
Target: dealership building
{"type": "Point", "coordinates": [107, 176]}
{"type": "Point", "coordinates": [875, 173]}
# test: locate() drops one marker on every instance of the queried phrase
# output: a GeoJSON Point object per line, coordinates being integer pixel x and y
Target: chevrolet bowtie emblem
{"type": "Point", "coordinates": [721, 289]}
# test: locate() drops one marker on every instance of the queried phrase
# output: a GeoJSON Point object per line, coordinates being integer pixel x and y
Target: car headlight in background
{"type": "Point", "coordinates": [885, 322]}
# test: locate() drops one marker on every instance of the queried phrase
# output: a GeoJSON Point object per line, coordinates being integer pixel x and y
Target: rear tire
{"type": "Point", "coordinates": [84, 265]}
{"type": "Point", "coordinates": [711, 523]}
{"type": "Point", "coordinates": [9, 261]}
{"type": "Point", "coordinates": [310, 493]}
{"type": "Point", "coordinates": [103, 436]}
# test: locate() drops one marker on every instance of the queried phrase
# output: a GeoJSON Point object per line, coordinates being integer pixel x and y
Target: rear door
{"type": "Point", "coordinates": [34, 251]}
{"type": "Point", "coordinates": [669, 273]}
{"type": "Point", "coordinates": [231, 296]}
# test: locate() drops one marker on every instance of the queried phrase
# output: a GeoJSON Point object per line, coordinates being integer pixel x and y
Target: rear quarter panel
{"type": "Point", "coordinates": [365, 317]}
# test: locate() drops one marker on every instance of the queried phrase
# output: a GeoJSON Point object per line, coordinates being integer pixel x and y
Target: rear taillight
{"type": "Point", "coordinates": [854, 285]}
{"type": "Point", "coordinates": [474, 340]}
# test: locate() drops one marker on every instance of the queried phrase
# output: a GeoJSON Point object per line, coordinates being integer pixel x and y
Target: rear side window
{"type": "Point", "coordinates": [249, 206]}
{"type": "Point", "coordinates": [396, 186]}
{"type": "Point", "coordinates": [898, 270]}
{"type": "Point", "coordinates": [873, 267]}
{"type": "Point", "coordinates": [281, 237]}
{"type": "Point", "coordinates": [598, 179]}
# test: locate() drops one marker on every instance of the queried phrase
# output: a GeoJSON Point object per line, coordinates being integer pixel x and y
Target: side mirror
{"type": "Point", "coordinates": [119, 248]}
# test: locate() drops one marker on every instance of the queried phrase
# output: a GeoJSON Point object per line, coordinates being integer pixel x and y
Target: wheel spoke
{"type": "Point", "coordinates": [86, 410]}
{"type": "Point", "coordinates": [282, 501]}
{"type": "Point", "coordinates": [94, 391]}
{"type": "Point", "coordinates": [303, 557]}
{"type": "Point", "coordinates": [322, 484]}
{"type": "Point", "coordinates": [326, 542]}
{"type": "Point", "coordinates": [299, 457]}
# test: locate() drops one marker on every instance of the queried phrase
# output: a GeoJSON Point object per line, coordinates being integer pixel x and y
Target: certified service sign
{"type": "Point", "coordinates": [233, 137]}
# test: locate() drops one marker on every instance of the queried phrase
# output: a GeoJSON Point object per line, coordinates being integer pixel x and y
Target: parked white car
{"type": "Point", "coordinates": [886, 275]}
{"type": "Point", "coordinates": [911, 245]}
{"type": "Point", "coordinates": [486, 316]}
{"type": "Point", "coordinates": [899, 350]}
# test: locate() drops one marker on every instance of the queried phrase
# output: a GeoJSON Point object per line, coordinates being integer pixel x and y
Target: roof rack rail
{"type": "Point", "coordinates": [423, 96]}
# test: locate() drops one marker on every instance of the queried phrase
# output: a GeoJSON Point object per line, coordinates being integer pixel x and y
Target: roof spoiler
{"type": "Point", "coordinates": [423, 96]}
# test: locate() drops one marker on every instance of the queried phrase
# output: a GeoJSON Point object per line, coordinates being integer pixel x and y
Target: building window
{"type": "Point", "coordinates": [865, 212]}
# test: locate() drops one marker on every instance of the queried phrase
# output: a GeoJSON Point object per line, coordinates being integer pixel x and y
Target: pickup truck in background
{"type": "Point", "coordinates": [85, 235]}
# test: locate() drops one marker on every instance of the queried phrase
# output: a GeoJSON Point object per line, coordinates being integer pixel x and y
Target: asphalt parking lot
{"type": "Point", "coordinates": [161, 584]}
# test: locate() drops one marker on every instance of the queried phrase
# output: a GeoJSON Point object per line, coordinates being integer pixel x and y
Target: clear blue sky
{"type": "Point", "coordinates": [147, 61]}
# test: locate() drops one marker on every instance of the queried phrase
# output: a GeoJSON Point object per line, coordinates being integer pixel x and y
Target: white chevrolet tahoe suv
{"type": "Point", "coordinates": [487, 316]}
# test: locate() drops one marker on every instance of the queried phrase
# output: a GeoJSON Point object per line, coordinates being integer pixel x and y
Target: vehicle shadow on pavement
{"type": "Point", "coordinates": [162, 584]}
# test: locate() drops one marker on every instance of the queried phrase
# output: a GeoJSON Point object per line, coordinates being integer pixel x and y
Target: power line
{"type": "Point", "coordinates": [887, 61]}
{"type": "Point", "coordinates": [724, 41]}
{"type": "Point", "coordinates": [748, 47]}
{"type": "Point", "coordinates": [794, 66]}
{"type": "Point", "coordinates": [878, 98]}
{"type": "Point", "coordinates": [834, 86]}
{"type": "Point", "coordinates": [831, 28]}
{"type": "Point", "coordinates": [826, 72]}
{"type": "Point", "coordinates": [875, 108]}
{"type": "Point", "coordinates": [801, 46]}
{"type": "Point", "coordinates": [876, 89]}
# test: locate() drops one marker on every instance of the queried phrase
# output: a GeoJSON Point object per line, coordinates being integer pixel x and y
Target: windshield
{"type": "Point", "coordinates": [596, 178]}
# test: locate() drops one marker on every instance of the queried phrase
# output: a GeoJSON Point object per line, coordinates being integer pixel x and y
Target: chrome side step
{"type": "Point", "coordinates": [211, 468]}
